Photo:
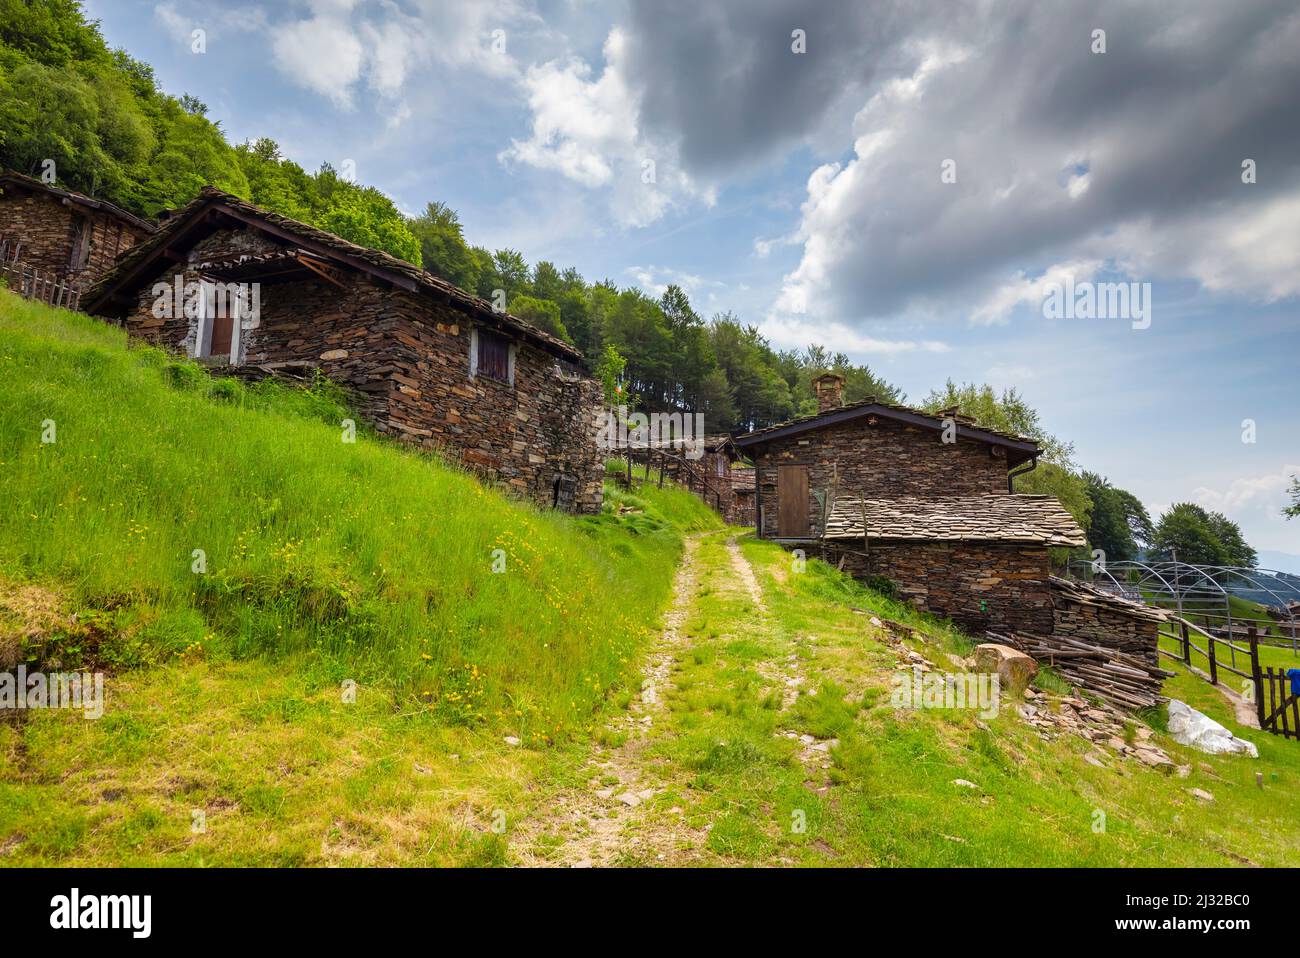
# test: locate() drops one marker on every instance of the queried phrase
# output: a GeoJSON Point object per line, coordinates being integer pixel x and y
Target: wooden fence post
{"type": "Point", "coordinates": [1187, 644]}
{"type": "Point", "coordinates": [1257, 675]}
{"type": "Point", "coordinates": [1214, 665]}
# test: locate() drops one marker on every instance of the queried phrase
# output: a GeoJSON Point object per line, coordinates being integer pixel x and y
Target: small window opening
{"type": "Point", "coordinates": [493, 356]}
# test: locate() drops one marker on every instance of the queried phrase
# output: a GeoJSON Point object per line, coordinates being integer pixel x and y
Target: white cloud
{"type": "Point", "coordinates": [585, 127]}
{"type": "Point", "coordinates": [763, 247]}
{"type": "Point", "coordinates": [341, 45]}
{"type": "Point", "coordinates": [1252, 250]}
{"type": "Point", "coordinates": [1267, 491]}
{"type": "Point", "coordinates": [656, 280]}
{"type": "Point", "coordinates": [1026, 290]}
{"type": "Point", "coordinates": [217, 21]}
{"type": "Point", "coordinates": [1255, 503]}
{"type": "Point", "coordinates": [789, 332]}
{"type": "Point", "coordinates": [321, 53]}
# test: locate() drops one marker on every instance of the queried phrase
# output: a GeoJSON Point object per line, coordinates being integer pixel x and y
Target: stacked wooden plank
{"type": "Point", "coordinates": [1125, 680]}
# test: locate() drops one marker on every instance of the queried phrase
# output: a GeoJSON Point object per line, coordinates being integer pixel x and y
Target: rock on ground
{"type": "Point", "coordinates": [1014, 668]}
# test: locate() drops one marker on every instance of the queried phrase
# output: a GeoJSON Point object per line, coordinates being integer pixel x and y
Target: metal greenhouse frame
{"type": "Point", "coordinates": [1201, 593]}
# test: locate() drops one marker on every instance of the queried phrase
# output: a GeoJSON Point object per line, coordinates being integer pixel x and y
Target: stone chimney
{"type": "Point", "coordinates": [827, 387]}
{"type": "Point", "coordinates": [955, 414]}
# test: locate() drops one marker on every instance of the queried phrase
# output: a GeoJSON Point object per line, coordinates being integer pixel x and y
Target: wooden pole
{"type": "Point", "coordinates": [1187, 644]}
{"type": "Point", "coordinates": [866, 543]}
{"type": "Point", "coordinates": [1214, 665]}
{"type": "Point", "coordinates": [1257, 675]}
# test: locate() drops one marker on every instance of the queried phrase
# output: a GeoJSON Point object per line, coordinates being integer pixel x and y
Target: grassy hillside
{"type": "Point", "coordinates": [779, 743]}
{"type": "Point", "coordinates": [540, 715]}
{"type": "Point", "coordinates": [368, 562]}
{"type": "Point", "coordinates": [325, 562]}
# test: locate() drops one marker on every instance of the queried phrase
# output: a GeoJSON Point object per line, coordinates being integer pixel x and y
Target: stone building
{"type": "Point", "coordinates": [875, 450]}
{"type": "Point", "coordinates": [257, 293]}
{"type": "Point", "coordinates": [63, 235]}
{"type": "Point", "coordinates": [922, 500]}
{"type": "Point", "coordinates": [981, 561]}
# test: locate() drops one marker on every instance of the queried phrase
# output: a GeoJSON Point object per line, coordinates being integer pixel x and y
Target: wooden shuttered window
{"type": "Point", "coordinates": [493, 356]}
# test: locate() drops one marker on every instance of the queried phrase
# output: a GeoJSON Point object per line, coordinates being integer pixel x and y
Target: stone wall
{"type": "Point", "coordinates": [741, 510]}
{"type": "Point", "coordinates": [407, 358]}
{"type": "Point", "coordinates": [48, 230]}
{"type": "Point", "coordinates": [884, 460]}
{"type": "Point", "coordinates": [979, 585]}
{"type": "Point", "coordinates": [536, 435]}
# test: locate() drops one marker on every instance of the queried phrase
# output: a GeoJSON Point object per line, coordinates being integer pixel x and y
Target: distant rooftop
{"type": "Point", "coordinates": [1009, 518]}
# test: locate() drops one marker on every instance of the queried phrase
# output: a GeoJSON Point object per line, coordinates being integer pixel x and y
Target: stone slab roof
{"type": "Point", "coordinates": [1020, 448]}
{"type": "Point", "coordinates": [1082, 593]}
{"type": "Point", "coordinates": [125, 272]}
{"type": "Point", "coordinates": [10, 178]}
{"type": "Point", "coordinates": [1009, 518]}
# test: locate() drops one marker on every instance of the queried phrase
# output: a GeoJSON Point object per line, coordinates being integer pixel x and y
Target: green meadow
{"type": "Point", "coordinates": [310, 660]}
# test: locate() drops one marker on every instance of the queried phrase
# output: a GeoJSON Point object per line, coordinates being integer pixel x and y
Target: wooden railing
{"type": "Point", "coordinates": [675, 466]}
{"type": "Point", "coordinates": [1277, 709]}
{"type": "Point", "coordinates": [1182, 631]}
{"type": "Point", "coordinates": [31, 283]}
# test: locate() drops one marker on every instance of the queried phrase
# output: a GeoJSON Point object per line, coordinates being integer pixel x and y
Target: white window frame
{"type": "Point", "coordinates": [203, 329]}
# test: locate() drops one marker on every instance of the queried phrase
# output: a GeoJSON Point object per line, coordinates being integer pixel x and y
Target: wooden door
{"type": "Point", "coordinates": [223, 331]}
{"type": "Point", "coordinates": [792, 502]}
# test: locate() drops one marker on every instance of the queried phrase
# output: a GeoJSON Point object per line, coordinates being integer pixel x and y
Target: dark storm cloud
{"type": "Point", "coordinates": [1153, 133]}
{"type": "Point", "coordinates": [723, 77]}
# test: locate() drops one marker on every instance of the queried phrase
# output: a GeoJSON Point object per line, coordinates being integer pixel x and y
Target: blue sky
{"type": "Point", "coordinates": [804, 190]}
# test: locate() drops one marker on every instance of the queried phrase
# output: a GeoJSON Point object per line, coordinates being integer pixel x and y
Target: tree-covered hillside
{"type": "Point", "coordinates": [99, 115]}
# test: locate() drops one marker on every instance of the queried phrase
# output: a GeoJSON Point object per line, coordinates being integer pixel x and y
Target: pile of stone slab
{"type": "Point", "coordinates": [1083, 611]}
{"type": "Point", "coordinates": [1106, 727]}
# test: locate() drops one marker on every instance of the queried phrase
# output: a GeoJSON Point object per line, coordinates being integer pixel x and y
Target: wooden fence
{"type": "Point", "coordinates": [31, 283]}
{"type": "Point", "coordinates": [673, 465]}
{"type": "Point", "coordinates": [1277, 709]}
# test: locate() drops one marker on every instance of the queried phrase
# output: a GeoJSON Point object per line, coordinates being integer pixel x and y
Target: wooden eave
{"type": "Point", "coordinates": [214, 214]}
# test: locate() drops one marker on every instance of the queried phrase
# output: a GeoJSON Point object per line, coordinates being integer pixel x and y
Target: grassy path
{"type": "Point", "coordinates": [591, 821]}
{"type": "Point", "coordinates": [701, 769]}
{"type": "Point", "coordinates": [765, 735]}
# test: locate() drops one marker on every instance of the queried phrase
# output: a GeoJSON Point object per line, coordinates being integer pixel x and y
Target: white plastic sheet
{"type": "Point", "coordinates": [1190, 727]}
